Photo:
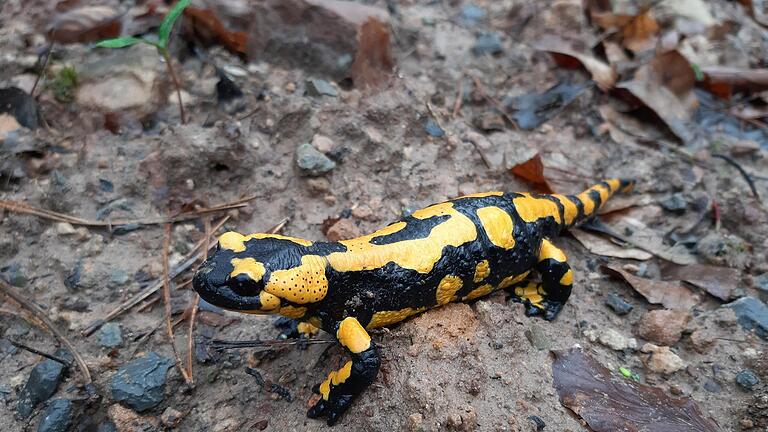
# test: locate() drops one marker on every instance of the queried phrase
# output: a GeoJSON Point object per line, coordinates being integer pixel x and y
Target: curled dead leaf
{"type": "Point", "coordinates": [532, 171]}
{"type": "Point", "coordinates": [207, 27]}
{"type": "Point", "coordinates": [672, 295]}
{"type": "Point", "coordinates": [665, 85]}
{"type": "Point", "coordinates": [85, 24]}
{"type": "Point", "coordinates": [637, 33]}
{"type": "Point", "coordinates": [603, 74]}
{"type": "Point", "coordinates": [717, 281]}
{"type": "Point", "coordinates": [610, 402]}
{"type": "Point", "coordinates": [373, 61]}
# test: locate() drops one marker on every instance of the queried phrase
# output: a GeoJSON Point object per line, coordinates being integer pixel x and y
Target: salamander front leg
{"type": "Point", "coordinates": [342, 386]}
{"type": "Point", "coordinates": [548, 297]}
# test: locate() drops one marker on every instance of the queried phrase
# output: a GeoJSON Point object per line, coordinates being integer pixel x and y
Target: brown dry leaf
{"type": "Point", "coordinates": [665, 85]}
{"type": "Point", "coordinates": [207, 28]}
{"type": "Point", "coordinates": [624, 202]}
{"type": "Point", "coordinates": [637, 33]}
{"type": "Point", "coordinates": [735, 79]}
{"type": "Point", "coordinates": [672, 295]}
{"type": "Point", "coordinates": [603, 74]}
{"type": "Point", "coordinates": [214, 319]}
{"type": "Point", "coordinates": [602, 246]}
{"type": "Point", "coordinates": [373, 61]}
{"type": "Point", "coordinates": [649, 240]}
{"type": "Point", "coordinates": [532, 171]}
{"type": "Point", "coordinates": [625, 129]}
{"type": "Point", "coordinates": [85, 24]}
{"type": "Point", "coordinates": [718, 281]}
{"type": "Point", "coordinates": [610, 402]}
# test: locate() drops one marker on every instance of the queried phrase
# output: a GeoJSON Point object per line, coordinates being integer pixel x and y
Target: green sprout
{"type": "Point", "coordinates": [629, 374]}
{"type": "Point", "coordinates": [63, 84]}
{"type": "Point", "coordinates": [163, 35]}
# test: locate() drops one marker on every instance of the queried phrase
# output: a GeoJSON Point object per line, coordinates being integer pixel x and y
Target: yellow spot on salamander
{"type": "Point", "coordinates": [248, 266]}
{"type": "Point", "coordinates": [353, 336]}
{"type": "Point", "coordinates": [511, 280]}
{"type": "Point", "coordinates": [482, 271]}
{"type": "Point", "coordinates": [233, 241]}
{"type": "Point", "coordinates": [548, 250]}
{"type": "Point", "coordinates": [570, 209]}
{"type": "Point", "coordinates": [307, 329]}
{"type": "Point", "coordinates": [303, 284]}
{"type": "Point", "coordinates": [293, 311]}
{"type": "Point", "coordinates": [614, 184]}
{"type": "Point", "coordinates": [446, 289]}
{"type": "Point", "coordinates": [531, 293]}
{"type": "Point", "coordinates": [419, 254]}
{"type": "Point", "coordinates": [498, 225]}
{"type": "Point", "coordinates": [481, 291]}
{"type": "Point", "coordinates": [236, 242]}
{"type": "Point", "coordinates": [385, 318]}
{"type": "Point", "coordinates": [532, 209]}
{"type": "Point", "coordinates": [335, 378]}
{"type": "Point", "coordinates": [567, 278]}
{"type": "Point", "coordinates": [268, 301]}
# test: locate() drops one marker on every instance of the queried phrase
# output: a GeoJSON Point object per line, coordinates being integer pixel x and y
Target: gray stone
{"type": "Point", "coordinates": [110, 335]}
{"type": "Point", "coordinates": [312, 162]}
{"type": "Point", "coordinates": [56, 417]}
{"type": "Point", "coordinates": [16, 275]}
{"type": "Point", "coordinates": [471, 15]}
{"type": "Point", "coordinates": [618, 304]}
{"type": "Point", "coordinates": [487, 43]}
{"type": "Point", "coordinates": [42, 384]}
{"type": "Point", "coordinates": [747, 379]}
{"type": "Point", "coordinates": [761, 282]}
{"type": "Point", "coordinates": [119, 277]}
{"type": "Point", "coordinates": [675, 203]}
{"type": "Point", "coordinates": [751, 314]}
{"type": "Point", "coordinates": [433, 129]}
{"type": "Point", "coordinates": [139, 384]}
{"type": "Point", "coordinates": [537, 337]}
{"type": "Point", "coordinates": [319, 87]}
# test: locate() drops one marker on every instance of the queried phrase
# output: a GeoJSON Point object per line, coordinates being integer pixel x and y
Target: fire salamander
{"type": "Point", "coordinates": [457, 250]}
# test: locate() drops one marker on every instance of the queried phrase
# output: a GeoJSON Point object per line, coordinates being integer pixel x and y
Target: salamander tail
{"type": "Point", "coordinates": [578, 208]}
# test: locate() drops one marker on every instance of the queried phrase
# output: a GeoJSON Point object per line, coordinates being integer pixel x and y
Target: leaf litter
{"type": "Point", "coordinates": [609, 402]}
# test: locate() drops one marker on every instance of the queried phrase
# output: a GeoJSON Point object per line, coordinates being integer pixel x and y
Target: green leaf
{"type": "Point", "coordinates": [697, 71]}
{"type": "Point", "coordinates": [167, 25]}
{"type": "Point", "coordinates": [119, 42]}
{"type": "Point", "coordinates": [626, 372]}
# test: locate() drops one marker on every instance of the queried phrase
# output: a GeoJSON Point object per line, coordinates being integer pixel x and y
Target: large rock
{"type": "Point", "coordinates": [56, 417]}
{"type": "Point", "coordinates": [663, 327]}
{"type": "Point", "coordinates": [139, 384]}
{"type": "Point", "coordinates": [752, 314]}
{"type": "Point", "coordinates": [42, 384]}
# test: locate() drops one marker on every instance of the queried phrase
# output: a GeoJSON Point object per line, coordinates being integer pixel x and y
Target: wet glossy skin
{"type": "Point", "coordinates": [453, 251]}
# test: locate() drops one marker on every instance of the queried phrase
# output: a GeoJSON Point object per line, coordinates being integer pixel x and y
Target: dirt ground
{"type": "Point", "coordinates": [480, 366]}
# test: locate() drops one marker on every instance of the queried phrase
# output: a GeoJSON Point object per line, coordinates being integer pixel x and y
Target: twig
{"type": "Point", "coordinates": [434, 115]}
{"type": "Point", "coordinates": [741, 171]}
{"type": "Point", "coordinates": [191, 257]}
{"type": "Point", "coordinates": [494, 103]}
{"type": "Point", "coordinates": [40, 353]}
{"type": "Point", "coordinates": [11, 292]}
{"type": "Point", "coordinates": [195, 302]}
{"type": "Point", "coordinates": [42, 70]}
{"type": "Point", "coordinates": [167, 302]}
{"type": "Point", "coordinates": [459, 98]}
{"type": "Point", "coordinates": [167, 57]}
{"type": "Point", "coordinates": [19, 207]}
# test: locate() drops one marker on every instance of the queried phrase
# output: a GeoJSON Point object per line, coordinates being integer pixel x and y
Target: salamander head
{"type": "Point", "coordinates": [234, 283]}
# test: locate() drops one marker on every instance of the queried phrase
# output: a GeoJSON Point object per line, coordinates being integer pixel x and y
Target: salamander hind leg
{"type": "Point", "coordinates": [547, 298]}
{"type": "Point", "coordinates": [342, 386]}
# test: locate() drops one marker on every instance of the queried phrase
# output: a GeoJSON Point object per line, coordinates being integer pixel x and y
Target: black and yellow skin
{"type": "Point", "coordinates": [457, 250]}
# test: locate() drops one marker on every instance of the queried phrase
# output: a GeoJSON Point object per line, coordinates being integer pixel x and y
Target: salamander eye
{"type": "Point", "coordinates": [243, 285]}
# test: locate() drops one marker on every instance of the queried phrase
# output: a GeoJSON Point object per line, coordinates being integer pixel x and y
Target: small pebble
{"type": "Point", "coordinates": [487, 43]}
{"type": "Point", "coordinates": [65, 228]}
{"type": "Point", "coordinates": [42, 383]}
{"type": "Point", "coordinates": [712, 386]}
{"type": "Point", "coordinates": [319, 87]}
{"type": "Point", "coordinates": [171, 417]}
{"type": "Point", "coordinates": [139, 384]}
{"type": "Point", "coordinates": [618, 304]}
{"type": "Point", "coordinates": [675, 203]}
{"type": "Point", "coordinates": [312, 162]}
{"type": "Point", "coordinates": [747, 379]}
{"type": "Point", "coordinates": [110, 335]}
{"type": "Point", "coordinates": [433, 129]}
{"type": "Point", "coordinates": [471, 14]}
